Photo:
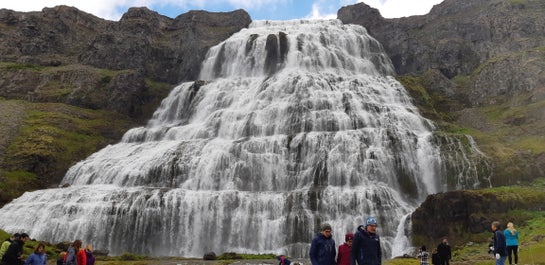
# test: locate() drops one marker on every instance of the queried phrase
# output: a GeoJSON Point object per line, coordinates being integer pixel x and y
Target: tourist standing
{"type": "Point", "coordinates": [89, 255]}
{"type": "Point", "coordinates": [76, 254]}
{"type": "Point", "coordinates": [5, 245]}
{"type": "Point", "coordinates": [424, 256]}
{"type": "Point", "coordinates": [322, 250]}
{"type": "Point", "coordinates": [435, 257]}
{"type": "Point", "coordinates": [14, 251]}
{"type": "Point", "coordinates": [343, 255]}
{"type": "Point", "coordinates": [366, 246]}
{"type": "Point", "coordinates": [512, 242]}
{"type": "Point", "coordinates": [444, 252]}
{"type": "Point", "coordinates": [38, 257]}
{"type": "Point", "coordinates": [61, 258]}
{"type": "Point", "coordinates": [500, 247]}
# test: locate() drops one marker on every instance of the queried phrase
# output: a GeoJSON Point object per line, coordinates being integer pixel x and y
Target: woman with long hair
{"type": "Point", "coordinates": [76, 254]}
{"type": "Point", "coordinates": [38, 257]}
{"type": "Point", "coordinates": [512, 242]}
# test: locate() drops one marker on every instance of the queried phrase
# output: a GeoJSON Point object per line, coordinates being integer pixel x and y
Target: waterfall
{"type": "Point", "coordinates": [295, 123]}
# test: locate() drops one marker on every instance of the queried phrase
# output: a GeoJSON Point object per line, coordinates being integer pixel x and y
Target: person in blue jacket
{"type": "Point", "coordinates": [512, 242]}
{"type": "Point", "coordinates": [366, 248]}
{"type": "Point", "coordinates": [322, 250]}
{"type": "Point", "coordinates": [500, 247]}
{"type": "Point", "coordinates": [38, 257]}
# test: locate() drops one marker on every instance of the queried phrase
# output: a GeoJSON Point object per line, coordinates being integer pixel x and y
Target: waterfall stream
{"type": "Point", "coordinates": [296, 123]}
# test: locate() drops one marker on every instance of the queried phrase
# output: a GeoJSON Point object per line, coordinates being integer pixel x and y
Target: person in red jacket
{"type": "Point", "coordinates": [81, 256]}
{"type": "Point", "coordinates": [76, 254]}
{"type": "Point", "coordinates": [343, 256]}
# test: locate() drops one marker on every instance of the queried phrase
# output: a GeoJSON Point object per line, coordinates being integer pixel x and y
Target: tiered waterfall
{"type": "Point", "coordinates": [295, 123]}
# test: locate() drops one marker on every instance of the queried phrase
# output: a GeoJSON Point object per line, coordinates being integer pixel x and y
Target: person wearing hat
{"type": "Point", "coordinates": [343, 256]}
{"type": "Point", "coordinates": [366, 245]}
{"type": "Point", "coordinates": [322, 250]}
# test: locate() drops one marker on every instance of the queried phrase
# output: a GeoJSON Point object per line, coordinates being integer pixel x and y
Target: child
{"type": "Point", "coordinates": [424, 256]}
{"type": "Point", "coordinates": [435, 257]}
{"type": "Point", "coordinates": [60, 259]}
{"type": "Point", "coordinates": [283, 260]}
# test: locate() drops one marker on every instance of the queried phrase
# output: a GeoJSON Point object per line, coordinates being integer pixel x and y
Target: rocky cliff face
{"type": "Point", "coordinates": [71, 83]}
{"type": "Point", "coordinates": [481, 64]}
{"type": "Point", "coordinates": [163, 49]}
{"type": "Point", "coordinates": [463, 216]}
{"type": "Point", "coordinates": [475, 67]}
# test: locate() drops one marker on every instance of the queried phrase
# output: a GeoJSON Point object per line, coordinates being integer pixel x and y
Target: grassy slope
{"type": "Point", "coordinates": [511, 134]}
{"type": "Point", "coordinates": [40, 141]}
{"type": "Point", "coordinates": [51, 137]}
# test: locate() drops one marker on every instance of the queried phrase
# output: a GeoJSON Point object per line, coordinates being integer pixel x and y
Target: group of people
{"type": "Point", "coordinates": [362, 247]}
{"type": "Point", "coordinates": [76, 255]}
{"type": "Point", "coordinates": [11, 253]}
{"type": "Point", "coordinates": [440, 255]}
{"type": "Point", "coordinates": [11, 250]}
{"type": "Point", "coordinates": [505, 243]}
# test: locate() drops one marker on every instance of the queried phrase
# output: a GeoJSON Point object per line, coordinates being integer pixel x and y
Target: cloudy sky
{"type": "Point", "coordinates": [258, 9]}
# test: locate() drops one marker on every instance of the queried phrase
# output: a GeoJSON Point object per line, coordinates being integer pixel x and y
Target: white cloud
{"type": "Point", "coordinates": [402, 8]}
{"type": "Point", "coordinates": [257, 4]}
{"type": "Point", "coordinates": [323, 9]}
{"type": "Point", "coordinates": [107, 9]}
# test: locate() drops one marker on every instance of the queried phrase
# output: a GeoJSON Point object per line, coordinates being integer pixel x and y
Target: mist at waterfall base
{"type": "Point", "coordinates": [297, 123]}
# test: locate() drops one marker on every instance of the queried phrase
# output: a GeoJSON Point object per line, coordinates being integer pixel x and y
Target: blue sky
{"type": "Point", "coordinates": [258, 9]}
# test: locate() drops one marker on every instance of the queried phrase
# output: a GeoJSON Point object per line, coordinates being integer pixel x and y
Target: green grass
{"type": "Point", "coordinates": [20, 66]}
{"type": "Point", "coordinates": [402, 261]}
{"type": "Point", "coordinates": [53, 133]}
{"type": "Point", "coordinates": [51, 138]}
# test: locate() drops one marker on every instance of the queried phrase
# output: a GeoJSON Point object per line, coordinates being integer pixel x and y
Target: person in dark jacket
{"type": "Point", "coordinates": [366, 248]}
{"type": "Point", "coordinates": [435, 257]}
{"type": "Point", "coordinates": [444, 252]}
{"type": "Point", "coordinates": [500, 246]}
{"type": "Point", "coordinates": [91, 258]}
{"type": "Point", "coordinates": [61, 257]}
{"type": "Point", "coordinates": [15, 250]}
{"type": "Point", "coordinates": [5, 245]}
{"type": "Point", "coordinates": [322, 250]}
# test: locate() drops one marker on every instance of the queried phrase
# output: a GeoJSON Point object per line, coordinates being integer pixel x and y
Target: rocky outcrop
{"type": "Point", "coordinates": [457, 37]}
{"type": "Point", "coordinates": [73, 82]}
{"type": "Point", "coordinates": [168, 50]}
{"type": "Point", "coordinates": [480, 65]}
{"type": "Point", "coordinates": [65, 47]}
{"type": "Point", "coordinates": [163, 49]}
{"type": "Point", "coordinates": [464, 215]}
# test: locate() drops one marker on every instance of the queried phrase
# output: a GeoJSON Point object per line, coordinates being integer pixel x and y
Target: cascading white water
{"type": "Point", "coordinates": [298, 123]}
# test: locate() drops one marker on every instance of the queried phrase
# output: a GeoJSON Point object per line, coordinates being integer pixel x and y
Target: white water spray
{"type": "Point", "coordinates": [297, 123]}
